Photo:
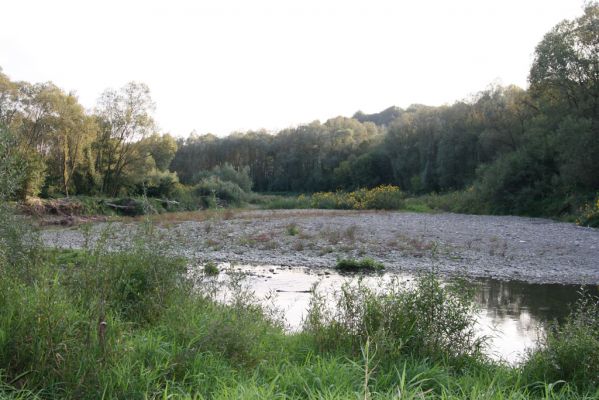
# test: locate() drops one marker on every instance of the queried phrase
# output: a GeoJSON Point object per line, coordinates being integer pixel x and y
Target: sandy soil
{"type": "Point", "coordinates": [503, 247]}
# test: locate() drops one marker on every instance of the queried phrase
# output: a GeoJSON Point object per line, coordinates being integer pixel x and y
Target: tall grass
{"type": "Point", "coordinates": [93, 324]}
{"type": "Point", "coordinates": [423, 319]}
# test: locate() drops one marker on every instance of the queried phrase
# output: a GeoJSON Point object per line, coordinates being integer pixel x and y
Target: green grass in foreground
{"type": "Point", "coordinates": [93, 324]}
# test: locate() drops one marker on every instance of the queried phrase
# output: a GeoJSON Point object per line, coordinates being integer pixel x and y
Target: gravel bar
{"type": "Point", "coordinates": [502, 247]}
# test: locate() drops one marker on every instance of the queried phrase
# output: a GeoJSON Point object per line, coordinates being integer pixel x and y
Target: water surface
{"type": "Point", "coordinates": [512, 313]}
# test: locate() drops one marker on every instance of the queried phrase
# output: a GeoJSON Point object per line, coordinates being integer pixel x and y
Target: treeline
{"type": "Point", "coordinates": [62, 149]}
{"type": "Point", "coordinates": [510, 150]}
{"type": "Point", "coordinates": [532, 151]}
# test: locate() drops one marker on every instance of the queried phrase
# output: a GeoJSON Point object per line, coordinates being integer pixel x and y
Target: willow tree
{"type": "Point", "coordinates": [124, 118]}
{"type": "Point", "coordinates": [74, 132]}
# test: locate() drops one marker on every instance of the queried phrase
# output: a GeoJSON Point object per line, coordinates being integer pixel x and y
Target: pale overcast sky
{"type": "Point", "coordinates": [221, 66]}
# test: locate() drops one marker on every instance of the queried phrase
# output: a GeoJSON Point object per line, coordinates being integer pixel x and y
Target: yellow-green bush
{"type": "Point", "coordinates": [384, 197]}
{"type": "Point", "coordinates": [589, 214]}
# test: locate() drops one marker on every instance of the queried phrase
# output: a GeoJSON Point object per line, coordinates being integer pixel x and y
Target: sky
{"type": "Point", "coordinates": [235, 65]}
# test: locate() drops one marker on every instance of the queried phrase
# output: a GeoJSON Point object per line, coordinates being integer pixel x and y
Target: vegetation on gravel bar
{"type": "Point", "coordinates": [364, 264]}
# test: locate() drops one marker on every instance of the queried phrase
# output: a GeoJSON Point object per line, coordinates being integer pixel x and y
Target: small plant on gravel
{"type": "Point", "coordinates": [365, 264]}
{"type": "Point", "coordinates": [325, 250]}
{"type": "Point", "coordinates": [292, 229]}
{"type": "Point", "coordinates": [331, 235]}
{"type": "Point", "coordinates": [213, 244]}
{"type": "Point", "coordinates": [298, 246]}
{"type": "Point", "coordinates": [210, 269]}
{"type": "Point", "coordinates": [350, 232]}
{"type": "Point", "coordinates": [268, 245]}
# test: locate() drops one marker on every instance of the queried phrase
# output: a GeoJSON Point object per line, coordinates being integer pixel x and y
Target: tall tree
{"type": "Point", "coordinates": [565, 79]}
{"type": "Point", "coordinates": [124, 117]}
{"type": "Point", "coordinates": [73, 133]}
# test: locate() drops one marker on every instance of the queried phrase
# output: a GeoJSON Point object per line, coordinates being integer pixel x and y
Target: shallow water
{"type": "Point", "coordinates": [511, 313]}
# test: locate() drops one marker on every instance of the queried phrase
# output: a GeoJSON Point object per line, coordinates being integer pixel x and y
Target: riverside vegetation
{"type": "Point", "coordinates": [505, 150]}
{"type": "Point", "coordinates": [98, 324]}
{"type": "Point", "coordinates": [95, 323]}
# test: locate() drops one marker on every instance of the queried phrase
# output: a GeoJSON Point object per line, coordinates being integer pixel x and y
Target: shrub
{"type": "Point", "coordinates": [589, 214]}
{"type": "Point", "coordinates": [292, 229]}
{"type": "Point", "coordinates": [427, 319]}
{"type": "Point", "coordinates": [227, 173]}
{"type": "Point", "coordinates": [33, 169]}
{"type": "Point", "coordinates": [159, 184]}
{"type": "Point", "coordinates": [384, 197]}
{"type": "Point", "coordinates": [212, 188]}
{"type": "Point", "coordinates": [517, 183]}
{"type": "Point", "coordinates": [241, 177]}
{"type": "Point", "coordinates": [136, 284]}
{"type": "Point", "coordinates": [22, 174]}
{"type": "Point", "coordinates": [365, 264]}
{"type": "Point", "coordinates": [186, 198]}
{"type": "Point", "coordinates": [462, 201]}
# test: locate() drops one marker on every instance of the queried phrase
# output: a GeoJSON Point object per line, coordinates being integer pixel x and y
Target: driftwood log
{"type": "Point", "coordinates": [119, 207]}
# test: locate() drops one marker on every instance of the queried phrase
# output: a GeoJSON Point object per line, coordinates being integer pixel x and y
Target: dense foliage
{"type": "Point", "coordinates": [533, 151]}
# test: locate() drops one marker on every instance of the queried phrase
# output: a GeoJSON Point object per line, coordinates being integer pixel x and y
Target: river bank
{"type": "Point", "coordinates": [502, 247]}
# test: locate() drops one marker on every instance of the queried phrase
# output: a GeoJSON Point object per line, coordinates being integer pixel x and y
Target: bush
{"type": "Point", "coordinates": [135, 285]}
{"type": "Point", "coordinates": [519, 183]}
{"type": "Point", "coordinates": [227, 173]}
{"type": "Point", "coordinates": [292, 229]}
{"type": "Point", "coordinates": [241, 177]}
{"type": "Point", "coordinates": [365, 264]}
{"type": "Point", "coordinates": [20, 247]}
{"type": "Point", "coordinates": [465, 201]}
{"type": "Point", "coordinates": [159, 184]}
{"type": "Point", "coordinates": [212, 188]}
{"type": "Point", "coordinates": [589, 214]}
{"type": "Point", "coordinates": [384, 197]}
{"type": "Point", "coordinates": [186, 198]}
{"type": "Point", "coordinates": [428, 319]}
{"type": "Point", "coordinates": [22, 174]}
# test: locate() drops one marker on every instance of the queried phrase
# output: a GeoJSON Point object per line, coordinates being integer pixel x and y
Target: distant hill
{"type": "Point", "coordinates": [383, 118]}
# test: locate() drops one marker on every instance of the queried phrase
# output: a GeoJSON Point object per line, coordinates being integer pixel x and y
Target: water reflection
{"type": "Point", "coordinates": [514, 312]}
{"type": "Point", "coordinates": [511, 314]}
{"type": "Point", "coordinates": [544, 301]}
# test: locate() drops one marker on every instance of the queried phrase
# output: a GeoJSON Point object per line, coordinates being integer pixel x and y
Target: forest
{"type": "Point", "coordinates": [504, 150]}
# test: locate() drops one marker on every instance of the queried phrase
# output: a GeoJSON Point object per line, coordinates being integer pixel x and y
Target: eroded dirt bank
{"type": "Point", "coordinates": [503, 247]}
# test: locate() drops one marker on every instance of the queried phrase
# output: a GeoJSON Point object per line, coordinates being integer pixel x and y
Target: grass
{"type": "Point", "coordinates": [354, 265]}
{"type": "Point", "coordinates": [211, 269]}
{"type": "Point", "coordinates": [293, 229]}
{"type": "Point", "coordinates": [97, 324]}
